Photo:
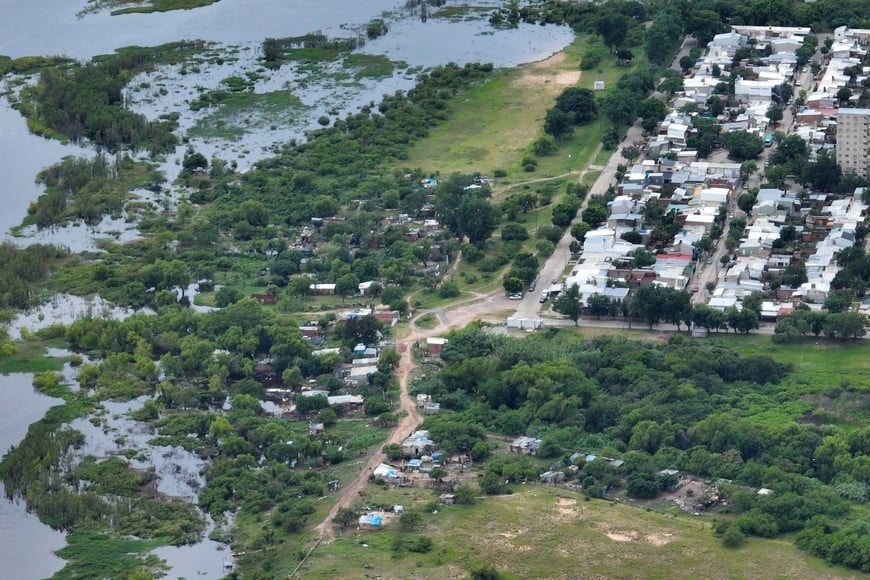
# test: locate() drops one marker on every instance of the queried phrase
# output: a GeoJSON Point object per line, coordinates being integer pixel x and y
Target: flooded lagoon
{"type": "Point", "coordinates": [52, 27]}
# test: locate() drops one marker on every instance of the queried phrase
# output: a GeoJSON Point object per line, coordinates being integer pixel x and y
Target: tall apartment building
{"type": "Point", "coordinates": [853, 141]}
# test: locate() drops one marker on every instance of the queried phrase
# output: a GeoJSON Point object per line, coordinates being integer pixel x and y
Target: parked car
{"type": "Point", "coordinates": [544, 296]}
{"type": "Point", "coordinates": [515, 297]}
{"type": "Point", "coordinates": [708, 261]}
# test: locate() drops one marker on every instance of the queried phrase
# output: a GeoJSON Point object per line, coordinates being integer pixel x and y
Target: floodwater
{"type": "Point", "coordinates": [54, 27]}
{"type": "Point", "coordinates": [26, 545]}
{"type": "Point", "coordinates": [22, 156]}
{"type": "Point", "coordinates": [180, 475]}
{"type": "Point", "coordinates": [65, 309]}
{"type": "Point", "coordinates": [207, 559]}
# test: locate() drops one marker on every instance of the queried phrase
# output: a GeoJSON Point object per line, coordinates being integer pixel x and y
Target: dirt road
{"type": "Point", "coordinates": [456, 316]}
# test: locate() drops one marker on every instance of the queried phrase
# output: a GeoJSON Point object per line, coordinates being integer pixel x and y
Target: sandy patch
{"type": "Point", "coordinates": [659, 539]}
{"type": "Point", "coordinates": [513, 533]}
{"type": "Point", "coordinates": [542, 72]}
{"type": "Point", "coordinates": [566, 501]}
{"type": "Point", "coordinates": [622, 536]}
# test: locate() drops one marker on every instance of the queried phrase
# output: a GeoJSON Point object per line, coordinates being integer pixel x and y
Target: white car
{"type": "Point", "coordinates": [515, 297]}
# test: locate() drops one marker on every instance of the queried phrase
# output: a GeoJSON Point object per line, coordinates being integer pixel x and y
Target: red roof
{"type": "Point", "coordinates": [687, 257]}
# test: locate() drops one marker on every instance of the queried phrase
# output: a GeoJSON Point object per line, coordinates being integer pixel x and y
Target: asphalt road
{"type": "Point", "coordinates": [554, 267]}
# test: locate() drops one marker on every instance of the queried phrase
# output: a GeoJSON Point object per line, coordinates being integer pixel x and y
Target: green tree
{"type": "Point", "coordinates": [742, 145]}
{"type": "Point", "coordinates": [579, 103]}
{"type": "Point", "coordinates": [733, 537]}
{"type": "Point", "coordinates": [558, 123]}
{"type": "Point", "coordinates": [621, 106]}
{"type": "Point", "coordinates": [411, 521]}
{"type": "Point", "coordinates": [347, 285]}
{"type": "Point", "coordinates": [514, 232]}
{"type": "Point", "coordinates": [568, 303]}
{"type": "Point", "coordinates": [742, 320]}
{"type": "Point", "coordinates": [613, 28]}
{"type": "Point", "coordinates": [565, 212]}
{"type": "Point", "coordinates": [512, 285]}
{"type": "Point", "coordinates": [465, 494]}
{"type": "Point", "coordinates": [478, 219]}
{"type": "Point", "coordinates": [774, 113]}
{"type": "Point", "coordinates": [194, 160]}
{"type": "Point", "coordinates": [653, 111]}
{"type": "Point", "coordinates": [594, 215]}
{"type": "Point", "coordinates": [345, 517]}
{"type": "Point", "coordinates": [306, 405]}
{"type": "Point", "coordinates": [579, 231]}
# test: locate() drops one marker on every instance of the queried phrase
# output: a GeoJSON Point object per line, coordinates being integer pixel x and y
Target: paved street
{"type": "Point", "coordinates": [530, 305]}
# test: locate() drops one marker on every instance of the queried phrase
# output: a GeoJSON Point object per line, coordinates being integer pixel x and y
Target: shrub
{"type": "Point", "coordinates": [544, 146]}
{"type": "Point", "coordinates": [733, 537]}
{"type": "Point", "coordinates": [514, 232]}
{"type": "Point", "coordinates": [589, 61]}
{"type": "Point", "coordinates": [448, 289]}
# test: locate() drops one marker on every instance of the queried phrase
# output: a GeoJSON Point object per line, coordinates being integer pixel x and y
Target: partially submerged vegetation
{"type": "Point", "coordinates": [85, 101]}
{"type": "Point", "coordinates": [119, 7]}
{"type": "Point", "coordinates": [89, 189]}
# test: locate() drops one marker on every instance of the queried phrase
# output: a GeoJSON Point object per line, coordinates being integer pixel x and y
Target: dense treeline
{"type": "Point", "coordinates": [704, 19]}
{"type": "Point", "coordinates": [20, 269]}
{"type": "Point", "coordinates": [684, 404]}
{"type": "Point", "coordinates": [87, 101]}
{"type": "Point", "coordinates": [88, 189]}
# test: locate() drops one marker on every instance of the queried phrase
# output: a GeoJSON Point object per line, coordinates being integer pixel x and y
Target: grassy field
{"type": "Point", "coordinates": [494, 126]}
{"type": "Point", "coordinates": [828, 384]}
{"type": "Point", "coordinates": [548, 533]}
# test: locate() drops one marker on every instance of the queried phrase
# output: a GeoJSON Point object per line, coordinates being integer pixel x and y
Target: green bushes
{"type": "Point", "coordinates": [590, 61]}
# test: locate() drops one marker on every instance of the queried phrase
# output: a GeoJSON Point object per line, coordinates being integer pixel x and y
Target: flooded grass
{"type": "Point", "coordinates": [30, 358]}
{"type": "Point", "coordinates": [94, 555]}
{"type": "Point", "coordinates": [454, 13]}
{"type": "Point", "coordinates": [370, 66]}
{"type": "Point", "coordinates": [241, 113]}
{"type": "Point", "coordinates": [162, 6]}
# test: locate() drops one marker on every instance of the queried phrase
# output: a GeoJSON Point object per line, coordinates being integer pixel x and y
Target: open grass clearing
{"type": "Point", "coordinates": [541, 532]}
{"type": "Point", "coordinates": [494, 125]}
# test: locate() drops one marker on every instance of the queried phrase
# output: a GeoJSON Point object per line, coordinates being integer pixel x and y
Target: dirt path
{"type": "Point", "coordinates": [406, 425]}
{"type": "Point", "coordinates": [455, 316]}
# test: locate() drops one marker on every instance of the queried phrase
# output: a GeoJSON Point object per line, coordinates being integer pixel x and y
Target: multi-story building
{"type": "Point", "coordinates": [853, 141]}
